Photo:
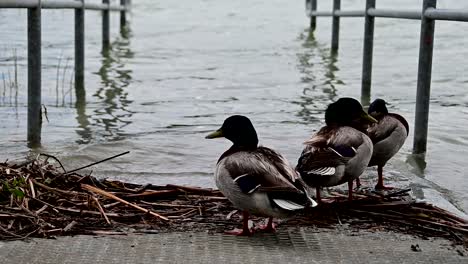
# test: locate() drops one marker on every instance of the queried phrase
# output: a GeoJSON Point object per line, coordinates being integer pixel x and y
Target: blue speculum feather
{"type": "Point", "coordinates": [345, 151]}
{"type": "Point", "coordinates": [247, 183]}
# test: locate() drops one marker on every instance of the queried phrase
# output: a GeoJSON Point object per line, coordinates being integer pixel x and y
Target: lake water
{"type": "Point", "coordinates": [187, 65]}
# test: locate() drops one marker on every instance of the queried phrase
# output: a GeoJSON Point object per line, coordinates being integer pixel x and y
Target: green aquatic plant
{"type": "Point", "coordinates": [12, 187]}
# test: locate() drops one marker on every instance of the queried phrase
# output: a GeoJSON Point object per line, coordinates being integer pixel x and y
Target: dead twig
{"type": "Point", "coordinates": [107, 206]}
{"type": "Point", "coordinates": [53, 157]}
{"type": "Point", "coordinates": [82, 212]}
{"type": "Point", "coordinates": [111, 196]}
{"type": "Point", "coordinates": [15, 235]}
{"type": "Point", "coordinates": [97, 162]}
{"type": "Point", "coordinates": [170, 205]}
{"type": "Point", "coordinates": [33, 192]}
{"type": "Point", "coordinates": [70, 226]}
{"type": "Point", "coordinates": [101, 210]}
{"type": "Point", "coordinates": [9, 215]}
{"type": "Point", "coordinates": [68, 193]}
{"type": "Point", "coordinates": [191, 189]}
{"type": "Point", "coordinates": [398, 193]}
{"type": "Point", "coordinates": [43, 208]}
{"type": "Point", "coordinates": [414, 219]}
{"type": "Point", "coordinates": [152, 193]}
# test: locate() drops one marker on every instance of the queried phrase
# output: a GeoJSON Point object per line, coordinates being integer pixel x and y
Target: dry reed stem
{"type": "Point", "coordinates": [111, 196]}
{"type": "Point", "coordinates": [101, 210]}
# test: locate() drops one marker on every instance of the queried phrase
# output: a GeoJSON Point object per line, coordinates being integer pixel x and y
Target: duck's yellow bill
{"type": "Point", "coordinates": [217, 134]}
{"type": "Point", "coordinates": [369, 118]}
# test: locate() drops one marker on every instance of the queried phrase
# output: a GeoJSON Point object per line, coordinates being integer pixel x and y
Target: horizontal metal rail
{"type": "Point", "coordinates": [349, 13]}
{"type": "Point", "coordinates": [320, 13]}
{"type": "Point", "coordinates": [391, 13]}
{"type": "Point", "coordinates": [19, 4]}
{"type": "Point", "coordinates": [55, 4]}
{"type": "Point", "coordinates": [62, 4]}
{"type": "Point", "coordinates": [446, 14]}
{"type": "Point", "coordinates": [431, 13]}
{"type": "Point", "coordinates": [340, 13]}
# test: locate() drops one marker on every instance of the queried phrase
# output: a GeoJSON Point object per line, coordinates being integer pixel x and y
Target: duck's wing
{"type": "Point", "coordinates": [281, 164]}
{"type": "Point", "coordinates": [265, 170]}
{"type": "Point", "coordinates": [321, 161]}
{"type": "Point", "coordinates": [288, 173]}
{"type": "Point", "coordinates": [385, 127]}
{"type": "Point", "coordinates": [327, 150]}
{"type": "Point", "coordinates": [402, 120]}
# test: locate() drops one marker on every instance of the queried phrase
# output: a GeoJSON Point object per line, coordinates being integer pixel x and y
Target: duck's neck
{"type": "Point", "coordinates": [239, 147]}
{"type": "Point", "coordinates": [356, 125]}
{"type": "Point", "coordinates": [379, 115]}
{"type": "Point", "coordinates": [236, 148]}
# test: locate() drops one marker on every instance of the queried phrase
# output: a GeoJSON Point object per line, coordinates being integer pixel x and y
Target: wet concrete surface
{"type": "Point", "coordinates": [293, 245]}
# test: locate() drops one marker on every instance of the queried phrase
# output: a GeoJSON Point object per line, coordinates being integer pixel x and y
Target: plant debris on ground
{"type": "Point", "coordinates": [39, 198]}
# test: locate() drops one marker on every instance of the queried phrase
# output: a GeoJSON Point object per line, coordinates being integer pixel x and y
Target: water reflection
{"type": "Point", "coordinates": [418, 163]}
{"type": "Point", "coordinates": [112, 112]}
{"type": "Point", "coordinates": [84, 130]}
{"type": "Point", "coordinates": [318, 66]}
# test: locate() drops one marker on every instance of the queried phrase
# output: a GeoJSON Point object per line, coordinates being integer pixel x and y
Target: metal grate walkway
{"type": "Point", "coordinates": [287, 246]}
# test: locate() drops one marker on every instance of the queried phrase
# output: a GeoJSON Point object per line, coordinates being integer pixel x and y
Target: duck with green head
{"type": "Point", "coordinates": [256, 179]}
{"type": "Point", "coordinates": [340, 151]}
{"type": "Point", "coordinates": [388, 135]}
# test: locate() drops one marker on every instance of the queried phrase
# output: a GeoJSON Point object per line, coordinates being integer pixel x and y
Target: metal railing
{"type": "Point", "coordinates": [34, 123]}
{"type": "Point", "coordinates": [427, 15]}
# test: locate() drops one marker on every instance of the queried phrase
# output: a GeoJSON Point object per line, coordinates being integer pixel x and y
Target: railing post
{"type": "Point", "coordinates": [335, 26]}
{"type": "Point", "coordinates": [80, 91]}
{"type": "Point", "coordinates": [79, 47]}
{"type": "Point", "coordinates": [367, 54]}
{"type": "Point", "coordinates": [313, 19]}
{"type": "Point", "coordinates": [105, 27]}
{"type": "Point", "coordinates": [34, 76]}
{"type": "Point", "coordinates": [123, 18]}
{"type": "Point", "coordinates": [424, 80]}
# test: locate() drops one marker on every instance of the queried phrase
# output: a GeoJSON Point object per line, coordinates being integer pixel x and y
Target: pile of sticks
{"type": "Point", "coordinates": [39, 198]}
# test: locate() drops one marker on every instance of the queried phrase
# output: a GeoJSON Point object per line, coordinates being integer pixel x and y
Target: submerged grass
{"type": "Point", "coordinates": [11, 83]}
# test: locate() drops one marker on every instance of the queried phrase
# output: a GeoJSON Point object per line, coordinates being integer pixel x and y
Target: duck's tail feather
{"type": "Point", "coordinates": [323, 171]}
{"type": "Point", "coordinates": [303, 187]}
{"type": "Point", "coordinates": [288, 205]}
{"type": "Point", "coordinates": [289, 198]}
{"type": "Point", "coordinates": [311, 202]}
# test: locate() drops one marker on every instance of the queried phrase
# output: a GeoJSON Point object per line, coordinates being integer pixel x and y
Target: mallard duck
{"type": "Point", "coordinates": [388, 136]}
{"type": "Point", "coordinates": [256, 179]}
{"type": "Point", "coordinates": [340, 151]}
